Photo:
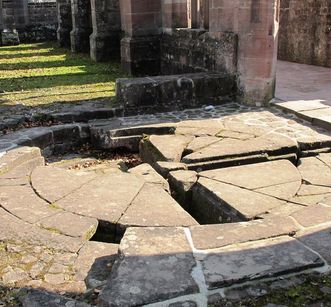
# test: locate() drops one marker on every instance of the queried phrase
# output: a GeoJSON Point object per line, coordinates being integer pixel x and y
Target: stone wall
{"type": "Point", "coordinates": [305, 32]}
{"type": "Point", "coordinates": [192, 50]}
{"type": "Point", "coordinates": [42, 13]}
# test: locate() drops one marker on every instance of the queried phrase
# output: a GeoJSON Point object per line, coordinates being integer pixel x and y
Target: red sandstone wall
{"type": "Point", "coordinates": [305, 31]}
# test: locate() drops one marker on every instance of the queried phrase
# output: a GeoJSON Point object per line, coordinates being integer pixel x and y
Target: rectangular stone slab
{"type": "Point", "coordinates": [155, 265]}
{"type": "Point", "coordinates": [257, 260]}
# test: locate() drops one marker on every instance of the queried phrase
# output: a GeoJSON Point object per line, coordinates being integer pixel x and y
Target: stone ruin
{"type": "Point", "coordinates": [228, 48]}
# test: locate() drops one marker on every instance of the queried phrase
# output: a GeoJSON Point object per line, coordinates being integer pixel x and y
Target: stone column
{"type": "Point", "coordinates": [256, 23]}
{"type": "Point", "coordinates": [64, 22]}
{"type": "Point", "coordinates": [9, 33]}
{"type": "Point", "coordinates": [81, 25]}
{"type": "Point", "coordinates": [140, 47]}
{"type": "Point", "coordinates": [177, 13]}
{"type": "Point", "coordinates": [106, 22]}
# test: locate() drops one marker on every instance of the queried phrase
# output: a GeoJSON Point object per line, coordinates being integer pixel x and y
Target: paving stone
{"type": "Point", "coordinates": [318, 239]}
{"type": "Point", "coordinates": [95, 261]}
{"type": "Point", "coordinates": [313, 215]}
{"type": "Point", "coordinates": [217, 202]}
{"type": "Point", "coordinates": [257, 260]}
{"type": "Point", "coordinates": [235, 135]}
{"type": "Point", "coordinates": [164, 168]}
{"type": "Point", "coordinates": [150, 175]}
{"type": "Point", "coordinates": [70, 224]}
{"type": "Point", "coordinates": [181, 183]}
{"type": "Point", "coordinates": [200, 142]}
{"type": "Point", "coordinates": [22, 202]}
{"type": "Point", "coordinates": [309, 189]}
{"type": "Point", "coordinates": [314, 171]}
{"type": "Point", "coordinates": [265, 175]}
{"type": "Point", "coordinates": [184, 304]}
{"type": "Point", "coordinates": [309, 200]}
{"type": "Point", "coordinates": [272, 144]}
{"type": "Point", "coordinates": [162, 210]}
{"type": "Point", "coordinates": [215, 236]}
{"type": "Point", "coordinates": [145, 271]}
{"type": "Point", "coordinates": [38, 298]}
{"type": "Point", "coordinates": [12, 228]}
{"type": "Point", "coordinates": [284, 191]}
{"type": "Point", "coordinates": [164, 148]}
{"type": "Point", "coordinates": [12, 276]}
{"type": "Point", "coordinates": [54, 183]}
{"type": "Point", "coordinates": [105, 198]}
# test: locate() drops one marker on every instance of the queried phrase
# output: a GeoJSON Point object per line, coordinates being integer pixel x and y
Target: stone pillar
{"type": "Point", "coordinates": [177, 13]}
{"type": "Point", "coordinates": [81, 25]}
{"type": "Point", "coordinates": [9, 35]}
{"type": "Point", "coordinates": [106, 23]}
{"type": "Point", "coordinates": [64, 22]}
{"type": "Point", "coordinates": [256, 23]}
{"type": "Point", "coordinates": [142, 26]}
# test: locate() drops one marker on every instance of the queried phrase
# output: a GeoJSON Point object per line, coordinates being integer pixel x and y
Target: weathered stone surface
{"type": "Point", "coordinates": [70, 224]}
{"type": "Point", "coordinates": [164, 168]}
{"type": "Point", "coordinates": [215, 236]}
{"type": "Point", "coordinates": [94, 262]}
{"type": "Point", "coordinates": [265, 175]}
{"type": "Point", "coordinates": [200, 142]}
{"type": "Point", "coordinates": [256, 260]}
{"type": "Point", "coordinates": [145, 271]}
{"type": "Point", "coordinates": [217, 202]}
{"type": "Point", "coordinates": [105, 198]}
{"type": "Point", "coordinates": [164, 148]}
{"type": "Point", "coordinates": [314, 171]}
{"type": "Point", "coordinates": [160, 210]}
{"type": "Point", "coordinates": [12, 228]}
{"type": "Point", "coordinates": [313, 215]}
{"type": "Point", "coordinates": [271, 144]}
{"type": "Point", "coordinates": [22, 202]}
{"type": "Point", "coordinates": [38, 298]}
{"type": "Point", "coordinates": [181, 184]}
{"type": "Point", "coordinates": [150, 175]}
{"type": "Point", "coordinates": [317, 239]}
{"type": "Point", "coordinates": [284, 191]}
{"type": "Point", "coordinates": [53, 183]}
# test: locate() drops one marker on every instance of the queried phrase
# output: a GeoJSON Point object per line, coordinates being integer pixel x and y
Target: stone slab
{"type": "Point", "coordinates": [70, 224]}
{"type": "Point", "coordinates": [53, 183]}
{"type": "Point", "coordinates": [315, 171]}
{"type": "Point", "coordinates": [148, 173]}
{"type": "Point", "coordinates": [105, 198]}
{"type": "Point", "coordinates": [257, 260]}
{"type": "Point", "coordinates": [155, 264]}
{"type": "Point", "coordinates": [216, 236]}
{"type": "Point", "coordinates": [164, 168]}
{"type": "Point", "coordinates": [217, 202]}
{"type": "Point", "coordinates": [154, 207]}
{"type": "Point", "coordinates": [313, 215]}
{"type": "Point", "coordinates": [265, 174]}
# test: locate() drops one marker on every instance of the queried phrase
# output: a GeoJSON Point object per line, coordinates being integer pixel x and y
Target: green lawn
{"type": "Point", "coordinates": [41, 74]}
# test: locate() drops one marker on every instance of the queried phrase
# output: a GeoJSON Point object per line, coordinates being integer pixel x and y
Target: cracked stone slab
{"type": "Point", "coordinates": [257, 260]}
{"type": "Point", "coordinates": [318, 239]}
{"type": "Point", "coordinates": [105, 198]}
{"type": "Point", "coordinates": [313, 215]}
{"type": "Point", "coordinates": [150, 175]}
{"type": "Point", "coordinates": [168, 148]}
{"type": "Point", "coordinates": [271, 144]}
{"type": "Point", "coordinates": [94, 262]}
{"type": "Point", "coordinates": [216, 236]}
{"type": "Point", "coordinates": [217, 202]}
{"type": "Point", "coordinates": [12, 228]}
{"type": "Point", "coordinates": [70, 224]}
{"type": "Point", "coordinates": [315, 171]}
{"type": "Point", "coordinates": [155, 264]}
{"type": "Point", "coordinates": [201, 142]}
{"type": "Point", "coordinates": [164, 168]}
{"type": "Point", "coordinates": [265, 175]}
{"type": "Point", "coordinates": [22, 202]}
{"type": "Point", "coordinates": [54, 183]}
{"type": "Point", "coordinates": [160, 210]}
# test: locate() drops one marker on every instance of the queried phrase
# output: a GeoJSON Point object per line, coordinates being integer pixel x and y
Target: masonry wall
{"type": "Point", "coordinates": [42, 13]}
{"type": "Point", "coordinates": [305, 32]}
{"type": "Point", "coordinates": [193, 50]}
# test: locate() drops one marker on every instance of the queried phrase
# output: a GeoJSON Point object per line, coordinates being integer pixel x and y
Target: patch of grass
{"type": "Point", "coordinates": [42, 74]}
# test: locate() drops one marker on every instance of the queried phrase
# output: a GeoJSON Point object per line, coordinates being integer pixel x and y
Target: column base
{"type": "Point", "coordinates": [104, 47]}
{"type": "Point", "coordinates": [10, 37]}
{"type": "Point", "coordinates": [140, 56]}
{"type": "Point", "coordinates": [80, 41]}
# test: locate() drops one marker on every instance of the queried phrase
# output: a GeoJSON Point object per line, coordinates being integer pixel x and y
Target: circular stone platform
{"type": "Point", "coordinates": [217, 204]}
